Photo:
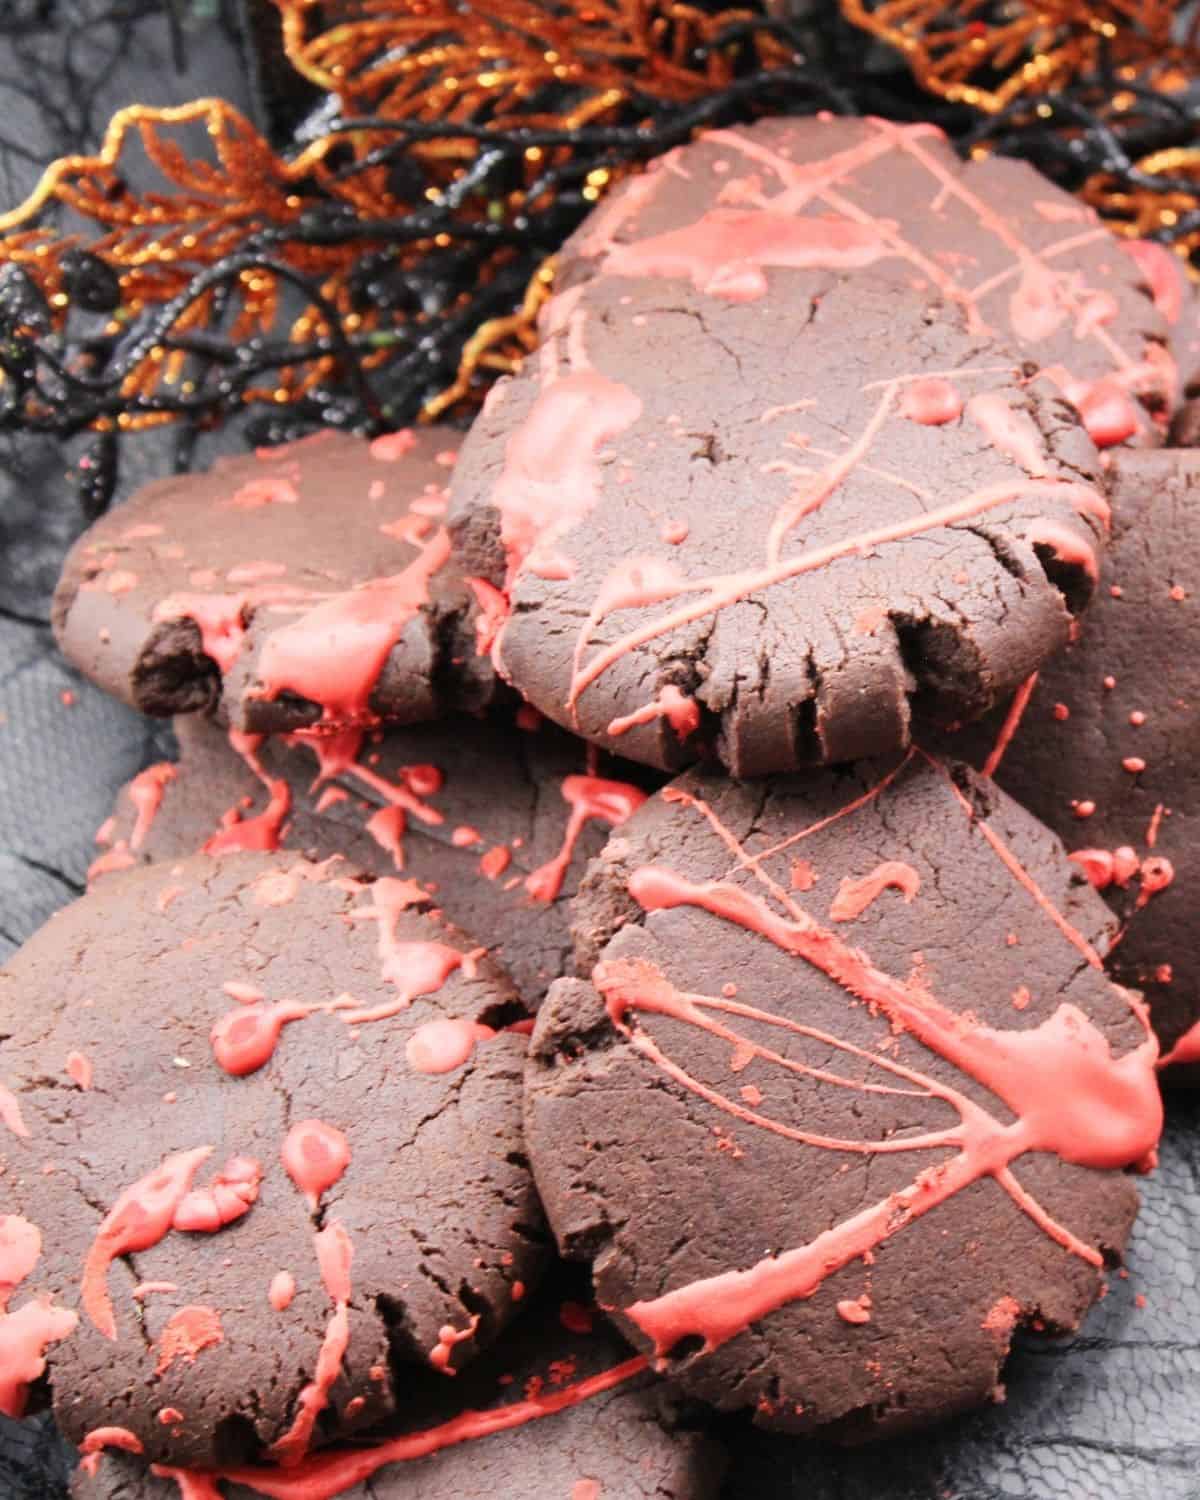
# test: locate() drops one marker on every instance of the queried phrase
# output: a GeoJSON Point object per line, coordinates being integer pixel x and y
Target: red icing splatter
{"type": "Point", "coordinates": [145, 791]}
{"type": "Point", "coordinates": [1105, 867]}
{"type": "Point", "coordinates": [494, 863]}
{"type": "Point", "coordinates": [231, 1194]}
{"type": "Point", "coordinates": [681, 712]}
{"type": "Point", "coordinates": [1011, 431]}
{"type": "Point", "coordinates": [270, 489]}
{"type": "Point", "coordinates": [392, 446]}
{"type": "Point", "coordinates": [281, 1290]}
{"type": "Point", "coordinates": [931, 401]}
{"type": "Point", "coordinates": [328, 1474]}
{"type": "Point", "coordinates": [443, 1044]}
{"type": "Point", "coordinates": [168, 1415]}
{"type": "Point", "coordinates": [448, 1336]}
{"type": "Point", "coordinates": [463, 837]}
{"type": "Point", "coordinates": [856, 1310]}
{"type": "Point", "coordinates": [387, 828]}
{"type": "Point", "coordinates": [588, 797]}
{"type": "Point", "coordinates": [146, 1289]}
{"type": "Point", "coordinates": [576, 1318]}
{"type": "Point", "coordinates": [140, 1218]}
{"type": "Point", "coordinates": [334, 1256]}
{"type": "Point", "coordinates": [585, 1489]}
{"type": "Point", "coordinates": [262, 833]}
{"type": "Point", "coordinates": [854, 896]}
{"type": "Point", "coordinates": [79, 1070]}
{"type": "Point", "coordinates": [186, 1334]}
{"type": "Point", "coordinates": [246, 1038]}
{"type": "Point", "coordinates": [314, 1156]}
{"type": "Point", "coordinates": [802, 875]}
{"type": "Point", "coordinates": [1070, 1097]}
{"type": "Point", "coordinates": [95, 1442]}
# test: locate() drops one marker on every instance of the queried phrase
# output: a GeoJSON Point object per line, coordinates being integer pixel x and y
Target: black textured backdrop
{"type": "Point", "coordinates": [1111, 1415]}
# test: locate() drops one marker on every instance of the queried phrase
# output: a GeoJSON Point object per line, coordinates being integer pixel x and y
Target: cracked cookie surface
{"type": "Point", "coordinates": [559, 1408]}
{"type": "Point", "coordinates": [497, 822]}
{"type": "Point", "coordinates": [262, 1157]}
{"type": "Point", "coordinates": [1103, 747]}
{"type": "Point", "coordinates": [846, 1096]}
{"type": "Point", "coordinates": [770, 527]}
{"type": "Point", "coordinates": [301, 584]}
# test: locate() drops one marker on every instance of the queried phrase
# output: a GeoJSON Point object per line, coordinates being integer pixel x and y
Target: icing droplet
{"type": "Point", "coordinates": [79, 1070]}
{"type": "Point", "coordinates": [448, 1336]}
{"type": "Point", "coordinates": [314, 1156]}
{"type": "Point", "coordinates": [854, 896]}
{"type": "Point", "coordinates": [281, 1290]}
{"type": "Point", "coordinates": [230, 1195]}
{"type": "Point", "coordinates": [441, 1045]}
{"type": "Point", "coordinates": [931, 401]}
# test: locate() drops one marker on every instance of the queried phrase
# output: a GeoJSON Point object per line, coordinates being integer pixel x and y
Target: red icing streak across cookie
{"type": "Point", "coordinates": [334, 1256]}
{"type": "Point", "coordinates": [1069, 1095]}
{"type": "Point", "coordinates": [327, 1475]}
{"type": "Point", "coordinates": [854, 896]}
{"type": "Point", "coordinates": [441, 1045]}
{"type": "Point", "coordinates": [588, 797]}
{"type": "Point", "coordinates": [140, 1218]}
{"type": "Point", "coordinates": [314, 1156]}
{"type": "Point", "coordinates": [232, 1193]}
{"type": "Point", "coordinates": [186, 1334]}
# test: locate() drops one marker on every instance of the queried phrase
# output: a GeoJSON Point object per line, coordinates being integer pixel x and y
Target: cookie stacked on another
{"type": "Point", "coordinates": [821, 1068]}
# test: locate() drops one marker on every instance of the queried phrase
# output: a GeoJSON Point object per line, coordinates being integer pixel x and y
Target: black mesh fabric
{"type": "Point", "coordinates": [1114, 1413]}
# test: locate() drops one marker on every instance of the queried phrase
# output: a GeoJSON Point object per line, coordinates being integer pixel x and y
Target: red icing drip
{"type": "Point", "coordinates": [328, 1474]}
{"type": "Point", "coordinates": [186, 1334]}
{"type": "Point", "coordinates": [588, 797]}
{"type": "Point", "coordinates": [95, 1442]}
{"type": "Point", "coordinates": [1066, 544]}
{"type": "Point", "coordinates": [10, 1113]}
{"type": "Point", "coordinates": [415, 968]}
{"type": "Point", "coordinates": [726, 252]}
{"type": "Point", "coordinates": [493, 612]}
{"type": "Point", "coordinates": [1186, 1049]}
{"type": "Point", "coordinates": [221, 618]}
{"type": "Point", "coordinates": [246, 1038]}
{"type": "Point", "coordinates": [802, 875]}
{"type": "Point", "coordinates": [441, 1045]}
{"type": "Point", "coordinates": [261, 833]}
{"type": "Point", "coordinates": [679, 710]}
{"type": "Point", "coordinates": [551, 477]}
{"type": "Point", "coordinates": [387, 828]}
{"type": "Point", "coordinates": [334, 1255]}
{"type": "Point", "coordinates": [146, 793]}
{"type": "Point", "coordinates": [333, 655]}
{"type": "Point", "coordinates": [315, 1155]}
{"type": "Point", "coordinates": [931, 401]}
{"type": "Point", "coordinates": [231, 1194]}
{"type": "Point", "coordinates": [448, 1337]}
{"type": "Point", "coordinates": [1157, 874]}
{"type": "Point", "coordinates": [281, 1290]}
{"type": "Point", "coordinates": [140, 1218]}
{"type": "Point", "coordinates": [1105, 867]}
{"type": "Point", "coordinates": [1164, 275]}
{"type": "Point", "coordinates": [1012, 722]}
{"type": "Point", "coordinates": [79, 1070]}
{"type": "Point", "coordinates": [338, 755]}
{"type": "Point", "coordinates": [117, 858]}
{"type": "Point", "coordinates": [24, 1335]}
{"type": "Point", "coordinates": [854, 896]}
{"type": "Point", "coordinates": [1012, 432]}
{"type": "Point", "coordinates": [20, 1249]}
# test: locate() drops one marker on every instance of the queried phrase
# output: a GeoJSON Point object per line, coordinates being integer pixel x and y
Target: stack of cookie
{"type": "Point", "coordinates": [832, 1058]}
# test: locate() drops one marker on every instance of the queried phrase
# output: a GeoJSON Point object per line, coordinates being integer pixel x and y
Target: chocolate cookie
{"type": "Point", "coordinates": [560, 1408]}
{"type": "Point", "coordinates": [848, 1096]}
{"type": "Point", "coordinates": [260, 1156]}
{"type": "Point", "coordinates": [1103, 747]}
{"type": "Point", "coordinates": [1108, 321]}
{"type": "Point", "coordinates": [496, 822]}
{"type": "Point", "coordinates": [852, 505]}
{"type": "Point", "coordinates": [289, 586]}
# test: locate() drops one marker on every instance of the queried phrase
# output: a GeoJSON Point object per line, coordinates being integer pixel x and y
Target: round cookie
{"type": "Point", "coordinates": [853, 506]}
{"type": "Point", "coordinates": [261, 1158]}
{"type": "Point", "coordinates": [298, 584]}
{"type": "Point", "coordinates": [1108, 321]}
{"type": "Point", "coordinates": [558, 1408]}
{"type": "Point", "coordinates": [496, 822]}
{"type": "Point", "coordinates": [847, 1096]}
{"type": "Point", "coordinates": [1104, 747]}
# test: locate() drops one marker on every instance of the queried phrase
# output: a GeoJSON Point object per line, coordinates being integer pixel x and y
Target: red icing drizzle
{"type": "Point", "coordinates": [140, 1218]}
{"type": "Point", "coordinates": [231, 1194]}
{"type": "Point", "coordinates": [415, 968]}
{"type": "Point", "coordinates": [681, 712]}
{"type": "Point", "coordinates": [588, 797]}
{"type": "Point", "coordinates": [146, 793]}
{"type": "Point", "coordinates": [1070, 1096]}
{"type": "Point", "coordinates": [261, 833]}
{"type": "Point", "coordinates": [726, 252]}
{"type": "Point", "coordinates": [186, 1334]}
{"type": "Point", "coordinates": [1186, 1049]}
{"type": "Point", "coordinates": [327, 1475]}
{"type": "Point", "coordinates": [1012, 722]}
{"type": "Point", "coordinates": [334, 1256]}
{"type": "Point", "coordinates": [1012, 432]}
{"type": "Point", "coordinates": [854, 896]}
{"type": "Point", "coordinates": [314, 1156]}
{"type": "Point", "coordinates": [443, 1044]}
{"type": "Point", "coordinates": [333, 655]}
